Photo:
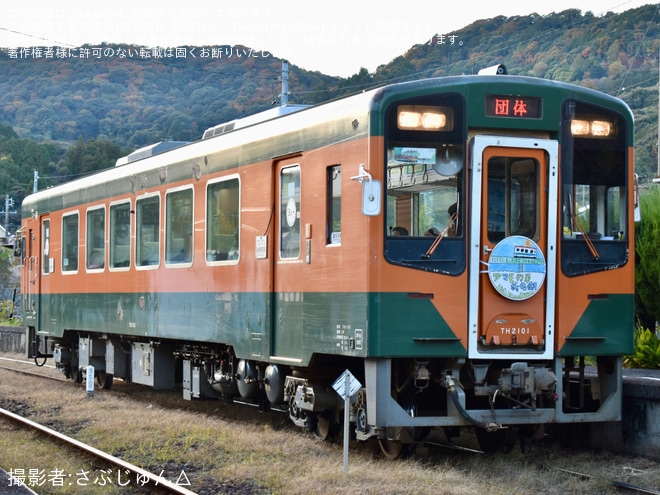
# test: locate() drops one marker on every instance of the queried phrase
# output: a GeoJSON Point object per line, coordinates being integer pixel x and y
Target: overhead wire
{"type": "Point", "coordinates": [639, 46]}
{"type": "Point", "coordinates": [13, 31]}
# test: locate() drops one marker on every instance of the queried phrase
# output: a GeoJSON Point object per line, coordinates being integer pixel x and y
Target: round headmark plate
{"type": "Point", "coordinates": [516, 268]}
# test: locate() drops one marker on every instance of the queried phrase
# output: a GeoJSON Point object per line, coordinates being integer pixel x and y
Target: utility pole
{"type": "Point", "coordinates": [35, 186]}
{"type": "Point", "coordinates": [284, 97]}
{"type": "Point", "coordinates": [9, 202]}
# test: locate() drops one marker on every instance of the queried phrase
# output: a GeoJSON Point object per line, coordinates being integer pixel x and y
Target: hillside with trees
{"type": "Point", "coordinates": [67, 112]}
{"type": "Point", "coordinates": [129, 96]}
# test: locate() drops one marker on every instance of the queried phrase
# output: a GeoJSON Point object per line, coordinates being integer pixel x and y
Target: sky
{"type": "Point", "coordinates": [338, 39]}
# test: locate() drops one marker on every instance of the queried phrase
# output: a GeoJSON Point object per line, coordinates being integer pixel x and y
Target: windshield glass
{"type": "Point", "coordinates": [594, 200]}
{"type": "Point", "coordinates": [424, 169]}
{"type": "Point", "coordinates": [419, 200]}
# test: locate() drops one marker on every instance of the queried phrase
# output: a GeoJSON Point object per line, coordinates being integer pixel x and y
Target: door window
{"type": "Point", "coordinates": [333, 206]}
{"type": "Point", "coordinates": [290, 212]}
{"type": "Point", "coordinates": [45, 249]}
{"type": "Point", "coordinates": [512, 198]}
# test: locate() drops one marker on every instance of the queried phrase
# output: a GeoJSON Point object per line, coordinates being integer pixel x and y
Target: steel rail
{"type": "Point", "coordinates": [155, 480]}
{"type": "Point", "coordinates": [622, 487]}
{"type": "Point", "coordinates": [634, 489]}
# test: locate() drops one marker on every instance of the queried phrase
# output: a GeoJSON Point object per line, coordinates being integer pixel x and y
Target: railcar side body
{"type": "Point", "coordinates": [460, 245]}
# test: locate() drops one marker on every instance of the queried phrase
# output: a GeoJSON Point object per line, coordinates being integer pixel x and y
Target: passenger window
{"type": "Point", "coordinates": [70, 242]}
{"type": "Point", "coordinates": [120, 235]}
{"type": "Point", "coordinates": [290, 212]}
{"type": "Point", "coordinates": [334, 205]}
{"type": "Point", "coordinates": [179, 226]}
{"type": "Point", "coordinates": [96, 239]}
{"type": "Point", "coordinates": [147, 245]}
{"type": "Point", "coordinates": [222, 220]}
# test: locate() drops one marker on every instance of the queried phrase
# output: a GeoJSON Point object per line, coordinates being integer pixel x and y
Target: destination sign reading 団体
{"type": "Point", "coordinates": [522, 107]}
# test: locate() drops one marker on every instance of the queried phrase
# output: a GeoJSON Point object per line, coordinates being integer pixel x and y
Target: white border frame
{"type": "Point", "coordinates": [478, 146]}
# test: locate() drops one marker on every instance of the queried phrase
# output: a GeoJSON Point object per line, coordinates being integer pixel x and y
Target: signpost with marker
{"type": "Point", "coordinates": [90, 380]}
{"type": "Point", "coordinates": [346, 386]}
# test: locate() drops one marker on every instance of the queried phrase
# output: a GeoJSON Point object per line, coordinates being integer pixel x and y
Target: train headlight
{"type": "Point", "coordinates": [424, 118]}
{"type": "Point", "coordinates": [580, 127]}
{"type": "Point", "coordinates": [601, 128]}
{"type": "Point", "coordinates": [592, 128]}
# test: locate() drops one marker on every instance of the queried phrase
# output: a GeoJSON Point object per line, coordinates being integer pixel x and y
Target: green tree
{"type": "Point", "coordinates": [647, 271]}
{"type": "Point", "coordinates": [8, 274]}
{"type": "Point", "coordinates": [90, 156]}
{"type": "Point", "coordinates": [19, 158]}
{"type": "Point", "coordinates": [7, 132]}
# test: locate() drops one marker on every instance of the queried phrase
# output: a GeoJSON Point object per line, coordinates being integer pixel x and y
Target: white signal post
{"type": "Point", "coordinates": [346, 386]}
{"type": "Point", "coordinates": [90, 381]}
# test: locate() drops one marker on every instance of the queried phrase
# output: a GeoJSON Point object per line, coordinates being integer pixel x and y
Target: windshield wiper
{"type": "Point", "coordinates": [439, 237]}
{"type": "Point", "coordinates": [587, 239]}
{"type": "Point", "coordinates": [578, 225]}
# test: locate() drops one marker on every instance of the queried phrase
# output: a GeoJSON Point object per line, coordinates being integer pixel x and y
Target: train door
{"type": "Point", "coordinates": [513, 253]}
{"type": "Point", "coordinates": [288, 263]}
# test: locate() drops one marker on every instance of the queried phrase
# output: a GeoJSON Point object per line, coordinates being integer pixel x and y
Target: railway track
{"type": "Point", "coordinates": [158, 482]}
{"type": "Point", "coordinates": [142, 477]}
{"type": "Point", "coordinates": [628, 489]}
{"type": "Point", "coordinates": [623, 488]}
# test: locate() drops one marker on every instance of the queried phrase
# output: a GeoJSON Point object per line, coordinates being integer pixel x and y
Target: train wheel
{"type": "Point", "coordinates": [501, 440]}
{"type": "Point", "coordinates": [76, 374]}
{"type": "Point", "coordinates": [394, 449]}
{"type": "Point", "coordinates": [322, 427]}
{"type": "Point", "coordinates": [104, 380]}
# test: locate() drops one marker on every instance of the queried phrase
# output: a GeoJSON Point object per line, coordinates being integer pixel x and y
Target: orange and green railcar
{"type": "Point", "coordinates": [461, 245]}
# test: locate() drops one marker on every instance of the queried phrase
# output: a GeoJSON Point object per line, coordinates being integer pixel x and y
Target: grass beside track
{"type": "Point", "coordinates": [224, 456]}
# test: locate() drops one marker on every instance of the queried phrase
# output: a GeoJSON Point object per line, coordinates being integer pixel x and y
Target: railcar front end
{"type": "Point", "coordinates": [503, 294]}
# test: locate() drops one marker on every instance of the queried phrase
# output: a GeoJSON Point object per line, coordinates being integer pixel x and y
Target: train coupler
{"type": "Point", "coordinates": [521, 379]}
